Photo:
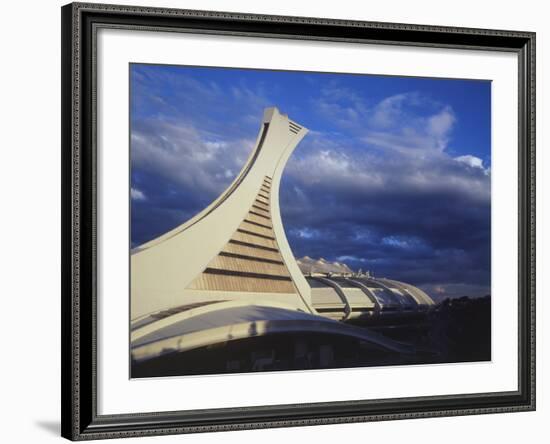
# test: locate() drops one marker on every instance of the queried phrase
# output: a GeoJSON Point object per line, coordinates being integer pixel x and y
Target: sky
{"type": "Point", "coordinates": [393, 177]}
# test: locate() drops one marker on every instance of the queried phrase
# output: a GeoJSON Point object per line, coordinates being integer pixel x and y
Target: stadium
{"type": "Point", "coordinates": [224, 293]}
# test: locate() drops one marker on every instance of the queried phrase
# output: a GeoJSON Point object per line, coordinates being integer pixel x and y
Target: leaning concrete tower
{"type": "Point", "coordinates": [236, 248]}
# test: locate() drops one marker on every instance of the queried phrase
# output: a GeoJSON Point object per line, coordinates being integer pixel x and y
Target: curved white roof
{"type": "Point", "coordinates": [225, 322]}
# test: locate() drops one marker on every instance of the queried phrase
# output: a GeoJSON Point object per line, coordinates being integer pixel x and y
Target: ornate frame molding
{"type": "Point", "coordinates": [80, 22]}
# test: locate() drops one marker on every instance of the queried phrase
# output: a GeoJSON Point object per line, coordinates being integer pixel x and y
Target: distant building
{"type": "Point", "coordinates": [228, 274]}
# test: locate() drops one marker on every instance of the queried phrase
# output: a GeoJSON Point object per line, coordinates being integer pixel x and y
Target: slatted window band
{"type": "Point", "coordinates": [251, 258]}
{"type": "Point", "coordinates": [247, 244]}
{"type": "Point", "coordinates": [259, 215]}
{"type": "Point", "coordinates": [247, 274]}
{"type": "Point", "coordinates": [251, 252]}
{"type": "Point", "coordinates": [252, 233]}
{"type": "Point", "coordinates": [257, 224]}
{"type": "Point", "coordinates": [260, 208]}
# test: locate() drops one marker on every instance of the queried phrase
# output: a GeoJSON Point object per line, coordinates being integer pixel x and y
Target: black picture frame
{"type": "Point", "coordinates": [79, 210]}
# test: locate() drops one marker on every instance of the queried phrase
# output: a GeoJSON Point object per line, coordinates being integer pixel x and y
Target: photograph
{"type": "Point", "coordinates": [288, 218]}
{"type": "Point", "coordinates": [295, 220]}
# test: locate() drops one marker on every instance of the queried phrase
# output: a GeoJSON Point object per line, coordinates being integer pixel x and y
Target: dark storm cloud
{"type": "Point", "coordinates": [424, 220]}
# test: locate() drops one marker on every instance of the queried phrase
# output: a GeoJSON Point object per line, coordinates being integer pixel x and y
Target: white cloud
{"type": "Point", "coordinates": [399, 143]}
{"type": "Point", "coordinates": [441, 124]}
{"type": "Point", "coordinates": [350, 258]}
{"type": "Point", "coordinates": [183, 154]}
{"type": "Point", "coordinates": [407, 142]}
{"type": "Point", "coordinates": [388, 111]}
{"type": "Point", "coordinates": [473, 162]}
{"type": "Point", "coordinates": [137, 195]}
{"type": "Point", "coordinates": [396, 127]}
{"type": "Point", "coordinates": [408, 123]}
{"type": "Point", "coordinates": [190, 148]}
{"type": "Point", "coordinates": [341, 105]}
{"type": "Point", "coordinates": [306, 233]}
{"type": "Point", "coordinates": [353, 169]}
{"type": "Point", "coordinates": [319, 163]}
{"type": "Point", "coordinates": [397, 241]}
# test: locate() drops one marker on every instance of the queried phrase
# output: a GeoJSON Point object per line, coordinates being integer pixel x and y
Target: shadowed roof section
{"type": "Point", "coordinates": [220, 324]}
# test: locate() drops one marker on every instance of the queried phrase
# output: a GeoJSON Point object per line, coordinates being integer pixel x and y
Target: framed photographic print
{"type": "Point", "coordinates": [279, 221]}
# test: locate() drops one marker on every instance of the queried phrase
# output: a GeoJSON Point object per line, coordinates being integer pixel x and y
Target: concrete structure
{"type": "Point", "coordinates": [228, 273]}
{"type": "Point", "coordinates": [339, 293]}
{"type": "Point", "coordinates": [235, 248]}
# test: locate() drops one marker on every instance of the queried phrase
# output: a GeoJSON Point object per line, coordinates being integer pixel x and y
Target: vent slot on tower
{"type": "Point", "coordinates": [294, 128]}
